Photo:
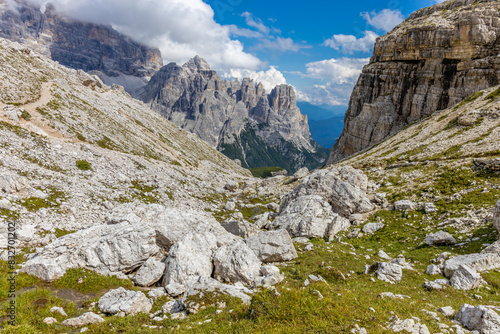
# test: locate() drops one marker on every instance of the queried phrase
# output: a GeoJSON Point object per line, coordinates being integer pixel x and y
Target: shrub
{"type": "Point", "coordinates": [83, 165]}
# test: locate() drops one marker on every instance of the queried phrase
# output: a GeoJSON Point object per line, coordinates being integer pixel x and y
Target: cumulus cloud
{"type": "Point", "coordinates": [349, 43]}
{"type": "Point", "coordinates": [180, 28]}
{"type": "Point", "coordinates": [337, 76]}
{"type": "Point", "coordinates": [269, 79]}
{"type": "Point", "coordinates": [384, 20]}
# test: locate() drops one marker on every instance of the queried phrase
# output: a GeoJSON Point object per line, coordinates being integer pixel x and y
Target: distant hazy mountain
{"type": "Point", "coordinates": [318, 113]}
{"type": "Point", "coordinates": [325, 122]}
{"type": "Point", "coordinates": [325, 132]}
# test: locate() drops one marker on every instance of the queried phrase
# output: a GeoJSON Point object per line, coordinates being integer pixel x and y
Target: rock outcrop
{"type": "Point", "coordinates": [433, 60]}
{"type": "Point", "coordinates": [240, 119]}
{"type": "Point", "coordinates": [80, 45]}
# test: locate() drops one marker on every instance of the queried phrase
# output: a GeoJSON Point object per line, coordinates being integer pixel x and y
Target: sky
{"type": "Point", "coordinates": [318, 46]}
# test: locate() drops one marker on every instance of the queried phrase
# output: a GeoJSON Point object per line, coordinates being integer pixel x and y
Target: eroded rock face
{"type": "Point", "coordinates": [496, 216]}
{"type": "Point", "coordinates": [79, 45]}
{"type": "Point", "coordinates": [433, 60]}
{"type": "Point", "coordinates": [238, 119]}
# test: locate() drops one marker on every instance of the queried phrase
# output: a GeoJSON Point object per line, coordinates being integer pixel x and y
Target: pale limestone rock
{"type": "Point", "coordinates": [447, 311]}
{"type": "Point", "coordinates": [49, 320]}
{"type": "Point", "coordinates": [241, 228]}
{"type": "Point", "coordinates": [389, 272]}
{"type": "Point", "coordinates": [440, 238]}
{"type": "Point", "coordinates": [150, 272]}
{"type": "Point", "coordinates": [344, 188]}
{"type": "Point", "coordinates": [207, 284]}
{"type": "Point", "coordinates": [464, 278]}
{"type": "Point", "coordinates": [190, 258]}
{"type": "Point", "coordinates": [127, 301]}
{"type": "Point", "coordinates": [404, 205]}
{"type": "Point", "coordinates": [59, 310]}
{"type": "Point", "coordinates": [236, 263]}
{"type": "Point", "coordinates": [85, 319]}
{"type": "Point", "coordinates": [269, 275]}
{"type": "Point", "coordinates": [272, 246]}
{"type": "Point", "coordinates": [434, 270]}
{"type": "Point", "coordinates": [478, 262]}
{"type": "Point", "coordinates": [479, 318]}
{"type": "Point", "coordinates": [371, 228]}
{"type": "Point", "coordinates": [312, 217]}
{"type": "Point", "coordinates": [175, 289]}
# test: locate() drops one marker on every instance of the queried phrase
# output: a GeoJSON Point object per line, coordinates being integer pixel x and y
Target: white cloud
{"type": "Point", "coordinates": [269, 79]}
{"type": "Point", "coordinates": [338, 77]}
{"type": "Point", "coordinates": [349, 43]}
{"type": "Point", "coordinates": [180, 28]}
{"type": "Point", "coordinates": [281, 44]}
{"type": "Point", "coordinates": [255, 23]}
{"type": "Point", "coordinates": [384, 20]}
{"type": "Point", "coordinates": [342, 70]}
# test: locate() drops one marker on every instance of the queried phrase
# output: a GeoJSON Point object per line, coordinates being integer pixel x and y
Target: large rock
{"type": "Point", "coordinates": [272, 246]}
{"type": "Point", "coordinates": [344, 188]}
{"type": "Point", "coordinates": [440, 238]}
{"type": "Point", "coordinates": [312, 217]}
{"type": "Point", "coordinates": [149, 273]}
{"type": "Point", "coordinates": [478, 262]}
{"type": "Point", "coordinates": [240, 228]}
{"type": "Point", "coordinates": [464, 278]}
{"type": "Point", "coordinates": [433, 60]}
{"type": "Point", "coordinates": [236, 263]}
{"type": "Point", "coordinates": [106, 249]}
{"type": "Point", "coordinates": [190, 258]}
{"type": "Point", "coordinates": [479, 318]}
{"type": "Point", "coordinates": [134, 234]}
{"type": "Point", "coordinates": [122, 300]}
{"type": "Point", "coordinates": [371, 228]}
{"type": "Point", "coordinates": [85, 319]}
{"type": "Point", "coordinates": [170, 224]}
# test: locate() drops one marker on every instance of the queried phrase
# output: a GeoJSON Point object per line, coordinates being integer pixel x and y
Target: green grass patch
{"type": "Point", "coordinates": [26, 115]}
{"type": "Point", "coordinates": [264, 172]}
{"type": "Point", "coordinates": [493, 96]}
{"type": "Point", "coordinates": [91, 281]}
{"type": "Point", "coordinates": [83, 165]}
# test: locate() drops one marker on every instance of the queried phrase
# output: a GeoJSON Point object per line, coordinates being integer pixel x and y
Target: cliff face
{"type": "Point", "coordinates": [78, 45]}
{"type": "Point", "coordinates": [435, 59]}
{"type": "Point", "coordinates": [240, 119]}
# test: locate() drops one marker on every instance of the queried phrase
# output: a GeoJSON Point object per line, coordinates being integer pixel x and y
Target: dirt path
{"type": "Point", "coordinates": [38, 120]}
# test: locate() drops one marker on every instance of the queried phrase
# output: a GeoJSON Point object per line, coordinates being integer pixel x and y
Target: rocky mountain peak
{"type": "Point", "coordinates": [197, 64]}
{"type": "Point", "coordinates": [431, 61]}
{"type": "Point", "coordinates": [282, 97]}
{"type": "Point", "coordinates": [223, 113]}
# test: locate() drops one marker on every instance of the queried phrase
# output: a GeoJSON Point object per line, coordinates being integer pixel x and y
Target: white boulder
{"type": "Point", "coordinates": [127, 301]}
{"type": "Point", "coordinates": [272, 246]}
{"type": "Point", "coordinates": [236, 263]}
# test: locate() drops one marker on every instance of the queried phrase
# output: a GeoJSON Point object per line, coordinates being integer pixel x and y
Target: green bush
{"type": "Point", "coordinates": [83, 165]}
{"type": "Point", "coordinates": [26, 115]}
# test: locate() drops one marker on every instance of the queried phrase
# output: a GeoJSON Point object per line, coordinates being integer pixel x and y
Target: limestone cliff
{"type": "Point", "coordinates": [240, 119]}
{"type": "Point", "coordinates": [435, 59]}
{"type": "Point", "coordinates": [79, 45]}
